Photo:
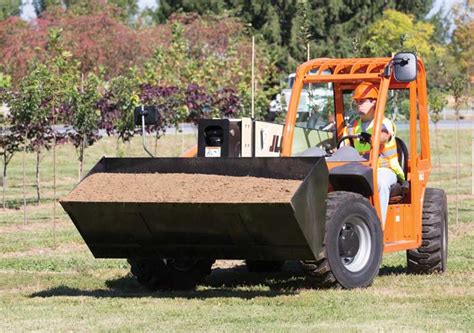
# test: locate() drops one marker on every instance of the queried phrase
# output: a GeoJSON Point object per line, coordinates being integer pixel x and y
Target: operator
{"type": "Point", "coordinates": [365, 97]}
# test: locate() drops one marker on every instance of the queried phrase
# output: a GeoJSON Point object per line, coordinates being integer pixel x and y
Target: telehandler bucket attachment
{"type": "Point", "coordinates": [287, 229]}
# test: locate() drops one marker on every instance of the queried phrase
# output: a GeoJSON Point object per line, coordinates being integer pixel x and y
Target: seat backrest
{"type": "Point", "coordinates": [402, 152]}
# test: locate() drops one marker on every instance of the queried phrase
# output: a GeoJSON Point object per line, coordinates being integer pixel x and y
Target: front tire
{"type": "Point", "coordinates": [353, 244]}
{"type": "Point", "coordinates": [169, 274]}
{"type": "Point", "coordinates": [432, 255]}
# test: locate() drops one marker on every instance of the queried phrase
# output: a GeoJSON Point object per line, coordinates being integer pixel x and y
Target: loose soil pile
{"type": "Point", "coordinates": [177, 187]}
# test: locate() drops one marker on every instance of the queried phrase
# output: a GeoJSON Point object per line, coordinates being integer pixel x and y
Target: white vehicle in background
{"type": "Point", "coordinates": [313, 100]}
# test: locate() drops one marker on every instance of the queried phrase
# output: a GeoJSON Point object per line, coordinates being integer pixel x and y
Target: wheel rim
{"type": "Point", "coordinates": [354, 244]}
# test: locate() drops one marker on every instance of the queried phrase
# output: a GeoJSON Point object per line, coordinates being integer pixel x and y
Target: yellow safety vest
{"type": "Point", "coordinates": [388, 157]}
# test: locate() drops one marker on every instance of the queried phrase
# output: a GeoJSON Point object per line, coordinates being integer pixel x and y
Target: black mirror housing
{"type": "Point", "coordinates": [151, 113]}
{"type": "Point", "coordinates": [405, 66]}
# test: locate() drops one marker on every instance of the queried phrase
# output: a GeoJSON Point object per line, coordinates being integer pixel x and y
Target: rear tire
{"type": "Point", "coordinates": [169, 274]}
{"type": "Point", "coordinates": [263, 266]}
{"type": "Point", "coordinates": [432, 255]}
{"type": "Point", "coordinates": [353, 244]}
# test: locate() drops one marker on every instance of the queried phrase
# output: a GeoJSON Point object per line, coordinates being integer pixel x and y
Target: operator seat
{"type": "Point", "coordinates": [401, 188]}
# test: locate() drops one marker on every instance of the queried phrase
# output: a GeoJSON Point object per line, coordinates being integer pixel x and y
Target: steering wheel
{"type": "Point", "coordinates": [363, 137]}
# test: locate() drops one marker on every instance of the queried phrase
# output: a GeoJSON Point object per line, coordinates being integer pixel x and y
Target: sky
{"type": "Point", "coordinates": [29, 13]}
{"type": "Point", "coordinates": [146, 3]}
{"type": "Point", "coordinates": [438, 3]}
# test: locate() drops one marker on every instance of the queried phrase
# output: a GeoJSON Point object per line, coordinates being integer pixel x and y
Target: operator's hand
{"type": "Point", "coordinates": [327, 147]}
{"type": "Point", "coordinates": [385, 136]}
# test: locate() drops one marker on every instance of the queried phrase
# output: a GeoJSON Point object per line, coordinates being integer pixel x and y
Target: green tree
{"type": "Point", "coordinates": [118, 104]}
{"type": "Point", "coordinates": [9, 8]}
{"type": "Point", "coordinates": [10, 143]}
{"type": "Point", "coordinates": [304, 36]}
{"type": "Point", "coordinates": [126, 10]}
{"type": "Point", "coordinates": [396, 31]}
{"type": "Point", "coordinates": [456, 60]}
{"type": "Point", "coordinates": [176, 68]}
{"type": "Point", "coordinates": [36, 106]}
{"type": "Point", "coordinates": [42, 5]}
{"type": "Point", "coordinates": [5, 81]}
{"type": "Point", "coordinates": [272, 19]}
{"type": "Point", "coordinates": [10, 138]}
{"type": "Point", "coordinates": [419, 8]}
{"type": "Point", "coordinates": [458, 90]}
{"type": "Point", "coordinates": [335, 24]}
{"type": "Point", "coordinates": [31, 113]}
{"type": "Point", "coordinates": [63, 70]}
{"type": "Point", "coordinates": [178, 65]}
{"type": "Point", "coordinates": [462, 44]}
{"type": "Point", "coordinates": [84, 116]}
{"type": "Point", "coordinates": [437, 102]}
{"type": "Point", "coordinates": [442, 67]}
{"type": "Point", "coordinates": [441, 23]}
{"type": "Point", "coordinates": [167, 7]}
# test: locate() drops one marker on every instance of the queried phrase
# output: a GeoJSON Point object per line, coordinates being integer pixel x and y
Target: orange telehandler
{"type": "Point", "coordinates": [331, 224]}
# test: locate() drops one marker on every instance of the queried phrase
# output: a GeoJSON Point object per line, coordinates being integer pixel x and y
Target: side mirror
{"type": "Point", "coordinates": [152, 116]}
{"type": "Point", "coordinates": [405, 66]}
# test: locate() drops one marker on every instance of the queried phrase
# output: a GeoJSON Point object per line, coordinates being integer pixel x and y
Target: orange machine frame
{"type": "Point", "coordinates": [402, 229]}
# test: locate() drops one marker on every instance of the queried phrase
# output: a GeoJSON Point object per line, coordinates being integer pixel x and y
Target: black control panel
{"type": "Point", "coordinates": [219, 138]}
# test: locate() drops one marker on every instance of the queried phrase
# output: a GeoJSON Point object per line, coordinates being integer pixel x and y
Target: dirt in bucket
{"type": "Point", "coordinates": [178, 187]}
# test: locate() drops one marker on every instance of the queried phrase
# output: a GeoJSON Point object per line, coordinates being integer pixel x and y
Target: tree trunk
{"type": "Point", "coordinates": [25, 220]}
{"type": "Point", "coordinates": [38, 194]}
{"type": "Point", "coordinates": [156, 143]}
{"type": "Point", "coordinates": [182, 139]}
{"type": "Point", "coordinates": [457, 166]}
{"type": "Point", "coordinates": [437, 150]}
{"type": "Point", "coordinates": [81, 166]}
{"type": "Point", "coordinates": [4, 182]}
{"type": "Point", "coordinates": [54, 190]}
{"type": "Point", "coordinates": [81, 156]}
{"type": "Point", "coordinates": [117, 146]}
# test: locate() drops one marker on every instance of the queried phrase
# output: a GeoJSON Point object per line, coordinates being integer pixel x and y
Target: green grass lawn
{"type": "Point", "coordinates": [49, 281]}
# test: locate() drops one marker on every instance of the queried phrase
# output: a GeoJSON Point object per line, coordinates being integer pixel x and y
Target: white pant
{"type": "Point", "coordinates": [385, 178]}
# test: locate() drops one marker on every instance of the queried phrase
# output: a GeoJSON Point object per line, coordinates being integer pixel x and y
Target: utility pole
{"type": "Point", "coordinates": [253, 77]}
{"type": "Point", "coordinates": [25, 221]}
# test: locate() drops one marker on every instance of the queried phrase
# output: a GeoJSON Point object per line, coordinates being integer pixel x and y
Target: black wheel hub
{"type": "Point", "coordinates": [348, 242]}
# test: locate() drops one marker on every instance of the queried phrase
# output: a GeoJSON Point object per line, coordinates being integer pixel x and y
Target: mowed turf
{"type": "Point", "coordinates": [49, 281]}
